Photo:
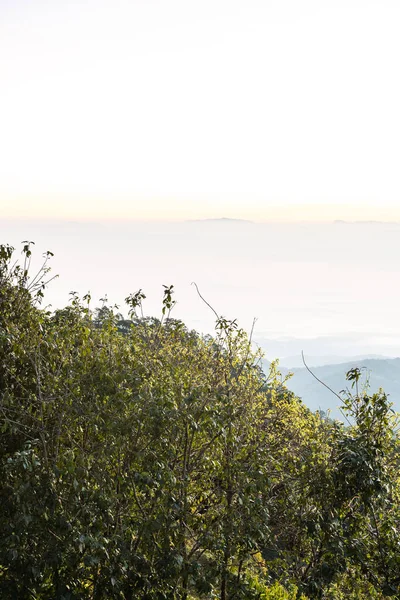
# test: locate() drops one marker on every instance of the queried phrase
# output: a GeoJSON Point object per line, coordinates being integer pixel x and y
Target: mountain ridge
{"type": "Point", "coordinates": [378, 373]}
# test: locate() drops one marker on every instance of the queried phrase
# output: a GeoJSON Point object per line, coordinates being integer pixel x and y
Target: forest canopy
{"type": "Point", "coordinates": [142, 460]}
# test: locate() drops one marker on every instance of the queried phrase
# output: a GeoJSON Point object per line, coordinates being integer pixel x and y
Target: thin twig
{"type": "Point", "coordinates": [240, 371]}
{"type": "Point", "coordinates": [205, 301]}
{"type": "Point", "coordinates": [324, 384]}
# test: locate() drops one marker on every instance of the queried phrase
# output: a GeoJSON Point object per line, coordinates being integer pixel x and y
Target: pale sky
{"type": "Point", "coordinates": [189, 109]}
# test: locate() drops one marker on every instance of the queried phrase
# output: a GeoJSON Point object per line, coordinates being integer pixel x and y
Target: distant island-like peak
{"type": "Point", "coordinates": [343, 222]}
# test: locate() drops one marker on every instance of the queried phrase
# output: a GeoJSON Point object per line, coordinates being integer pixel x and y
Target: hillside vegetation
{"type": "Point", "coordinates": [140, 460]}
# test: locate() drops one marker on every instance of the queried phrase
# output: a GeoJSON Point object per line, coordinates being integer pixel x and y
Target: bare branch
{"type": "Point", "coordinates": [205, 301]}
{"type": "Point", "coordinates": [324, 384]}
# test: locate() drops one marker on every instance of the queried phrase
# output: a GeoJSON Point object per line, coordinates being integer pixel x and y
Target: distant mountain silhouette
{"type": "Point", "coordinates": [343, 222]}
{"type": "Point", "coordinates": [382, 373]}
{"type": "Point", "coordinates": [296, 361]}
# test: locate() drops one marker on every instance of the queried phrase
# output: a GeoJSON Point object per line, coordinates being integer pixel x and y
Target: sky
{"type": "Point", "coordinates": [330, 289]}
{"type": "Point", "coordinates": [156, 109]}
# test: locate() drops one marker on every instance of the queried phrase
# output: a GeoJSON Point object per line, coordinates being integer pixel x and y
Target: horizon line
{"type": "Point", "coordinates": [124, 219]}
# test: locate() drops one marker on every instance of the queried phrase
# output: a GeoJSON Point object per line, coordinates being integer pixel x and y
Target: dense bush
{"type": "Point", "coordinates": [141, 460]}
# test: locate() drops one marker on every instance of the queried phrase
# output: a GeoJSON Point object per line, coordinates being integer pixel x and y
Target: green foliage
{"type": "Point", "coordinates": [273, 592]}
{"type": "Point", "coordinates": [353, 585]}
{"type": "Point", "coordinates": [139, 460]}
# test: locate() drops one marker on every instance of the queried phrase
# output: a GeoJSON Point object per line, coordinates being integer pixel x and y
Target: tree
{"type": "Point", "coordinates": [145, 461]}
